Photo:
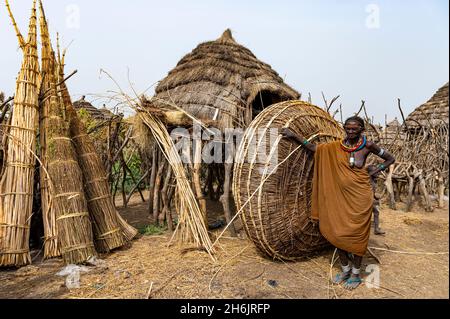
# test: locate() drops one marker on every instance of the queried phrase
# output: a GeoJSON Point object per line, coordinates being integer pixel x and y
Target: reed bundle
{"type": "Point", "coordinates": [273, 193]}
{"type": "Point", "coordinates": [73, 224]}
{"type": "Point", "coordinates": [191, 224]}
{"type": "Point", "coordinates": [16, 185]}
{"type": "Point", "coordinates": [108, 229]}
{"type": "Point", "coordinates": [51, 248]}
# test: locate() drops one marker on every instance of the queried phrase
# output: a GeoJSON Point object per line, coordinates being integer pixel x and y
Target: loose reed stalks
{"type": "Point", "coordinates": [191, 226]}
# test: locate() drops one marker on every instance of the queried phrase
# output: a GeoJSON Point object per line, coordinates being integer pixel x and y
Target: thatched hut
{"type": "Point", "coordinates": [102, 114]}
{"type": "Point", "coordinates": [432, 113]}
{"type": "Point", "coordinates": [222, 82]}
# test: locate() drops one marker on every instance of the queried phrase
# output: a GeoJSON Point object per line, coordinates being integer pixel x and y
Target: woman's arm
{"type": "Point", "coordinates": [388, 158]}
{"type": "Point", "coordinates": [287, 133]}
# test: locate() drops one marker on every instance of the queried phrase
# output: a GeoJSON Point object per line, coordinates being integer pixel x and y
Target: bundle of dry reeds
{"type": "Point", "coordinates": [273, 192]}
{"type": "Point", "coordinates": [107, 231]}
{"type": "Point", "coordinates": [110, 229]}
{"type": "Point", "coordinates": [16, 186]}
{"type": "Point", "coordinates": [51, 248]}
{"type": "Point", "coordinates": [74, 227]}
{"type": "Point", "coordinates": [191, 224]}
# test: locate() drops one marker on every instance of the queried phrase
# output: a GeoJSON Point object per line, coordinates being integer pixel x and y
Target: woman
{"type": "Point", "coordinates": [342, 198]}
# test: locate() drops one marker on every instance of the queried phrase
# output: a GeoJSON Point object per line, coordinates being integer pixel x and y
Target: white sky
{"type": "Point", "coordinates": [337, 47]}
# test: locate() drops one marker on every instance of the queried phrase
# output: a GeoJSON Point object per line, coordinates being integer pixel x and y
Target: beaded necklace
{"type": "Point", "coordinates": [352, 150]}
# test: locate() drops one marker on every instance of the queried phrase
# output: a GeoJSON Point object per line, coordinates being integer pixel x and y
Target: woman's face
{"type": "Point", "coordinates": [353, 129]}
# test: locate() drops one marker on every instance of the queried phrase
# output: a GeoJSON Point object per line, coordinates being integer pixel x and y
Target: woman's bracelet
{"type": "Point", "coordinates": [382, 167]}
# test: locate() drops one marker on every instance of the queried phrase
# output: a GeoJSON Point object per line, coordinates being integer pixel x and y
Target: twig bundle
{"type": "Point", "coordinates": [16, 185]}
{"type": "Point", "coordinates": [273, 192]}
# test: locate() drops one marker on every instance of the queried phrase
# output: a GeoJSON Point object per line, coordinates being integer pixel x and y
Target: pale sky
{"type": "Point", "coordinates": [373, 50]}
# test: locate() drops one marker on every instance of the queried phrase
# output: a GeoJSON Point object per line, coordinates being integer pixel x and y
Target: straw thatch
{"type": "Point", "coordinates": [222, 80]}
{"type": "Point", "coordinates": [16, 185]}
{"type": "Point", "coordinates": [432, 113]}
{"type": "Point", "coordinates": [273, 192]}
{"type": "Point", "coordinates": [102, 114]}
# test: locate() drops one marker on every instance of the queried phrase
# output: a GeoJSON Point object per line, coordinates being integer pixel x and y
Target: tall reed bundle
{"type": "Point", "coordinates": [110, 229]}
{"type": "Point", "coordinates": [16, 185]}
{"type": "Point", "coordinates": [274, 193]}
{"type": "Point", "coordinates": [51, 248]}
{"type": "Point", "coordinates": [191, 226]}
{"type": "Point", "coordinates": [73, 224]}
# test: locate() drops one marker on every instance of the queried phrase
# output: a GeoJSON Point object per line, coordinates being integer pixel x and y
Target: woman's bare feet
{"type": "Point", "coordinates": [353, 282]}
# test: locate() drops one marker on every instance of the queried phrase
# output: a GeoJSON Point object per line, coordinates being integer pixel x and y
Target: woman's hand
{"type": "Point", "coordinates": [287, 133]}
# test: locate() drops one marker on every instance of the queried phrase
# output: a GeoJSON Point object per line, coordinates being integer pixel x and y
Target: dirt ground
{"type": "Point", "coordinates": [413, 255]}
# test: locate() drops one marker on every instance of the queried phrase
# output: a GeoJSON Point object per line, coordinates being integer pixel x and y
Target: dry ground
{"type": "Point", "coordinates": [415, 267]}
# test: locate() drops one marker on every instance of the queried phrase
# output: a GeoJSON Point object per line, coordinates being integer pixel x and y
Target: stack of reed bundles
{"type": "Point", "coordinates": [78, 210]}
{"type": "Point", "coordinates": [273, 194]}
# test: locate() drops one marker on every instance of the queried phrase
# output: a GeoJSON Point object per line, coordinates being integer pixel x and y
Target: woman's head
{"type": "Point", "coordinates": [354, 126]}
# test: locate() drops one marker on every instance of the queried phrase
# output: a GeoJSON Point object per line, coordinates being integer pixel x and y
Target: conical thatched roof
{"type": "Point", "coordinates": [102, 114]}
{"type": "Point", "coordinates": [436, 110]}
{"type": "Point", "coordinates": [222, 80]}
{"type": "Point", "coordinates": [392, 135]}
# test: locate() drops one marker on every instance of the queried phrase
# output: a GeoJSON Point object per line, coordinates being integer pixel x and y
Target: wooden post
{"type": "Point", "coordinates": [151, 188]}
{"type": "Point", "coordinates": [424, 192]}
{"type": "Point", "coordinates": [135, 183]}
{"type": "Point", "coordinates": [124, 194]}
{"type": "Point", "coordinates": [169, 218]}
{"type": "Point", "coordinates": [409, 201]}
{"type": "Point", "coordinates": [196, 177]}
{"type": "Point", "coordinates": [441, 190]}
{"type": "Point", "coordinates": [157, 191]}
{"type": "Point", "coordinates": [225, 198]}
{"type": "Point", "coordinates": [165, 199]}
{"type": "Point", "coordinates": [390, 188]}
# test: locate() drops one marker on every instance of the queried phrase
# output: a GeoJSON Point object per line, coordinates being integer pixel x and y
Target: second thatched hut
{"type": "Point", "coordinates": [224, 85]}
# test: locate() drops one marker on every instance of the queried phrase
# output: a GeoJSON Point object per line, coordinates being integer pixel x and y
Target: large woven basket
{"type": "Point", "coordinates": [273, 192]}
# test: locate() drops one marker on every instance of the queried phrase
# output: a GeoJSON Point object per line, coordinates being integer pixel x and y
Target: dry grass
{"type": "Point", "coordinates": [241, 272]}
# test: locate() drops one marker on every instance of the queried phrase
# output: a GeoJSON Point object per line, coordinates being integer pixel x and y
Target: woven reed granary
{"type": "Point", "coordinates": [273, 193]}
{"type": "Point", "coordinates": [223, 82]}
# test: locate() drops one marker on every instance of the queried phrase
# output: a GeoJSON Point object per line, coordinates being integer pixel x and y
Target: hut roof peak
{"type": "Point", "coordinates": [227, 36]}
